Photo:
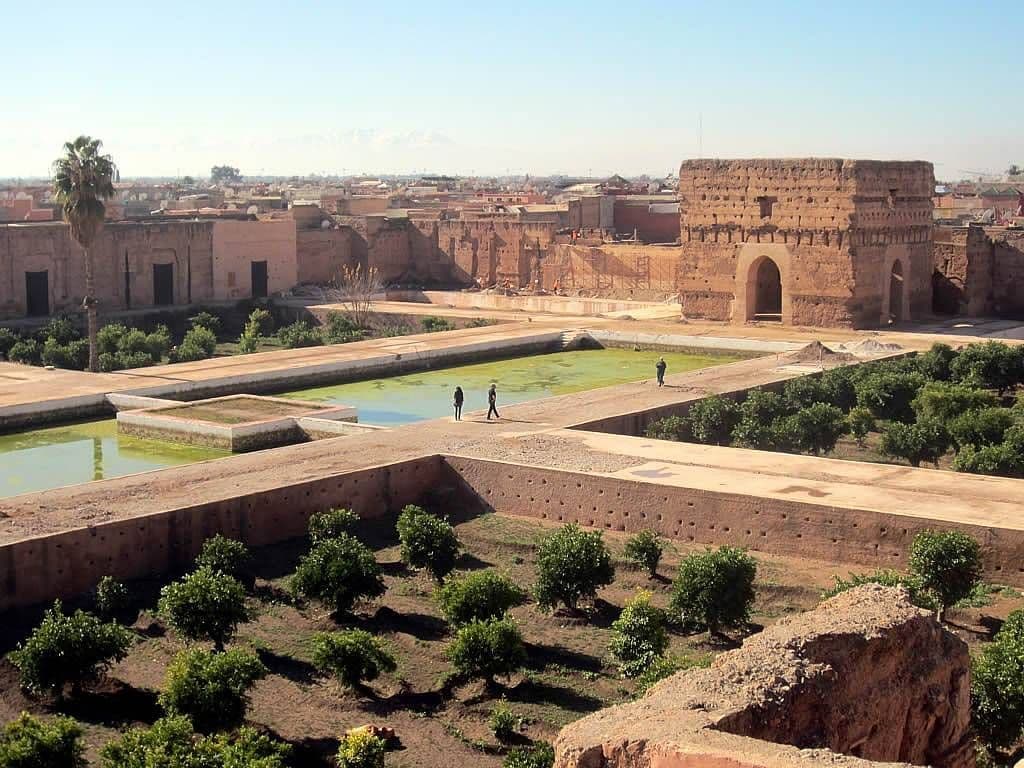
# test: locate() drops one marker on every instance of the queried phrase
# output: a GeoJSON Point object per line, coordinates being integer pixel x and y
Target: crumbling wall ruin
{"type": "Point", "coordinates": [864, 677]}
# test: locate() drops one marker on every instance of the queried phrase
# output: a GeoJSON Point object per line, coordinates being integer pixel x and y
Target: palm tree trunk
{"type": "Point", "coordinates": [91, 316]}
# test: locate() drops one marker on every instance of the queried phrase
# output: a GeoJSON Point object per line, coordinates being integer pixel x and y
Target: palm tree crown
{"type": "Point", "coordinates": [82, 180]}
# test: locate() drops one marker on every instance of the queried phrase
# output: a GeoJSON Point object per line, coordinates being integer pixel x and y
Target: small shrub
{"type": "Point", "coordinates": [65, 649]}
{"type": "Point", "coordinates": [353, 656]}
{"type": "Point", "coordinates": [299, 334]}
{"type": "Point", "coordinates": [982, 427]}
{"type": "Point", "coordinates": [480, 322]}
{"type": "Point", "coordinates": [72, 356]}
{"type": "Point", "coordinates": [361, 749]}
{"type": "Point", "coordinates": [861, 422]}
{"type": "Point", "coordinates": [248, 342]}
{"type": "Point", "coordinates": [227, 556]}
{"type": "Point", "coordinates": [816, 428]}
{"type": "Point", "coordinates": [1002, 460]}
{"type": "Point", "coordinates": [476, 596]}
{"type": "Point", "coordinates": [713, 419]}
{"type": "Point", "coordinates": [210, 688]}
{"type": "Point", "coordinates": [485, 649]}
{"type": "Point", "coordinates": [8, 339]}
{"type": "Point", "coordinates": [261, 321]}
{"type": "Point", "coordinates": [31, 743]}
{"type": "Point", "coordinates": [199, 344]}
{"type": "Point", "coordinates": [919, 596]}
{"type": "Point", "coordinates": [204, 605]}
{"type": "Point", "coordinates": [26, 352]}
{"type": "Point", "coordinates": [945, 401]}
{"type": "Point", "coordinates": [339, 572]}
{"type": "Point", "coordinates": [991, 365]}
{"type": "Point", "coordinates": [804, 392]}
{"type": "Point", "coordinates": [666, 666]}
{"type": "Point", "coordinates": [638, 635]}
{"type": "Point", "coordinates": [61, 329]}
{"type": "Point", "coordinates": [948, 563]}
{"type": "Point", "coordinates": [714, 589]}
{"type": "Point", "coordinates": [427, 541]}
{"type": "Point", "coordinates": [838, 387]}
{"type": "Point", "coordinates": [111, 598]}
{"type": "Point", "coordinates": [644, 550]}
{"type": "Point", "coordinates": [758, 415]}
{"type": "Point", "coordinates": [206, 320]}
{"type": "Point", "coordinates": [669, 428]}
{"type": "Point", "coordinates": [331, 523]}
{"type": "Point", "coordinates": [540, 755]}
{"type": "Point", "coordinates": [997, 686]}
{"type": "Point", "coordinates": [927, 440]}
{"type": "Point", "coordinates": [503, 722]}
{"type": "Point", "coordinates": [888, 395]}
{"type": "Point", "coordinates": [937, 362]}
{"type": "Point", "coordinates": [571, 564]}
{"type": "Point", "coordinates": [433, 324]}
{"type": "Point", "coordinates": [341, 329]}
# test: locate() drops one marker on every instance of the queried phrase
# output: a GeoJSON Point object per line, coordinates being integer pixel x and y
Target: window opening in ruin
{"type": "Point", "coordinates": [163, 284]}
{"type": "Point", "coordinates": [127, 283]}
{"type": "Point", "coordinates": [37, 293]}
{"type": "Point", "coordinates": [766, 204]}
{"type": "Point", "coordinates": [767, 291]}
{"type": "Point", "coordinates": [892, 197]}
{"type": "Point", "coordinates": [896, 293]}
{"type": "Point", "coordinates": [259, 279]}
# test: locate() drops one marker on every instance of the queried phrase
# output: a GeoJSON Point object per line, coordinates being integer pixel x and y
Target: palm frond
{"type": "Point", "coordinates": [82, 180]}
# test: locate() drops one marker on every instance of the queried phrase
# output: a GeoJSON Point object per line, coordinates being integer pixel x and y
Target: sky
{"type": "Point", "coordinates": [580, 87]}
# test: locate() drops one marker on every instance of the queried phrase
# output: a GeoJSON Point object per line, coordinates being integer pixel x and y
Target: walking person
{"type": "Point", "coordinates": [492, 399]}
{"type": "Point", "coordinates": [660, 367]}
{"type": "Point", "coordinates": [457, 400]}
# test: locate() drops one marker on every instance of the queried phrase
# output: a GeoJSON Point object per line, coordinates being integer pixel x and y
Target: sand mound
{"type": "Point", "coordinates": [817, 352]}
{"type": "Point", "coordinates": [873, 347]}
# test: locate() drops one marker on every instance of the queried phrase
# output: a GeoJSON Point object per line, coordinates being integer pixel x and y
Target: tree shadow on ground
{"type": "Point", "coordinates": [397, 569]}
{"type": "Point", "coordinates": [535, 692]}
{"type": "Point", "coordinates": [312, 753]}
{"type": "Point", "coordinates": [419, 625]}
{"type": "Point", "coordinates": [112, 702]}
{"type": "Point", "coordinates": [293, 669]}
{"type": "Point", "coordinates": [470, 562]}
{"type": "Point", "coordinates": [541, 656]}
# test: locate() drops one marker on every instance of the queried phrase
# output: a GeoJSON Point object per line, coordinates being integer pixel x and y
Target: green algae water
{"type": "Point", "coordinates": [57, 456]}
{"type": "Point", "coordinates": [428, 395]}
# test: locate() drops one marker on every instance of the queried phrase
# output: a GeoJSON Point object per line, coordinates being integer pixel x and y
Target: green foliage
{"type": "Point", "coordinates": [669, 428]}
{"type": "Point", "coordinates": [158, 343]}
{"type": "Point", "coordinates": [937, 362]}
{"type": "Point", "coordinates": [713, 418]}
{"type": "Point", "coordinates": [199, 344]}
{"type": "Point", "coordinates": [341, 329]}
{"type": "Point", "coordinates": [805, 391]}
{"type": "Point", "coordinates": [361, 749]}
{"type": "Point", "coordinates": [985, 427]}
{"type": "Point", "coordinates": [992, 365]}
{"type": "Point", "coordinates": [888, 395]}
{"type": "Point", "coordinates": [353, 656]}
{"type": "Point", "coordinates": [339, 572]}
{"type": "Point", "coordinates": [948, 563]}
{"type": "Point", "coordinates": [644, 550]}
{"type": "Point", "coordinates": [210, 688]}
{"type": "Point", "coordinates": [714, 589]}
{"type": "Point", "coordinates": [204, 605]}
{"type": "Point", "coordinates": [31, 743]}
{"type": "Point", "coordinates": [72, 356]}
{"type": "Point", "coordinates": [638, 635]}
{"type": "Point", "coordinates": [666, 666]}
{"type": "Point", "coordinates": [1003, 460]}
{"type": "Point", "coordinates": [111, 598]}
{"type": "Point", "coordinates": [760, 414]}
{"type": "Point", "coordinates": [927, 440]}
{"type": "Point", "coordinates": [65, 649]}
{"type": "Point", "coordinates": [860, 422]}
{"type": "Point", "coordinates": [108, 338]}
{"type": "Point", "coordinates": [427, 541]}
{"type": "Point", "coordinates": [61, 329]}
{"type": "Point", "coordinates": [571, 564]}
{"type": "Point", "coordinates": [487, 648]}
{"type": "Point", "coordinates": [8, 339]}
{"type": "Point", "coordinates": [206, 320]}
{"type": "Point", "coordinates": [433, 324]}
{"type": "Point", "coordinates": [248, 342]}
{"type": "Point", "coordinates": [503, 722]}
{"type": "Point", "coordinates": [816, 428]}
{"type": "Point", "coordinates": [26, 352]}
{"type": "Point", "coordinates": [481, 322]}
{"type": "Point", "coordinates": [299, 334]}
{"type": "Point", "coordinates": [476, 596]}
{"type": "Point", "coordinates": [121, 348]}
{"type": "Point", "coordinates": [838, 387]}
{"type": "Point", "coordinates": [919, 596]}
{"type": "Point", "coordinates": [997, 686]}
{"type": "Point", "coordinates": [171, 743]}
{"type": "Point", "coordinates": [331, 523]}
{"type": "Point", "coordinates": [227, 556]}
{"type": "Point", "coordinates": [259, 324]}
{"type": "Point", "coordinates": [944, 401]}
{"type": "Point", "coordinates": [540, 755]}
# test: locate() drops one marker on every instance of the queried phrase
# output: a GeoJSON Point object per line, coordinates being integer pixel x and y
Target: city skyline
{"type": "Point", "coordinates": [580, 89]}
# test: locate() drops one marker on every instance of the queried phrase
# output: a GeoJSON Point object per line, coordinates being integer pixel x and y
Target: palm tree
{"type": "Point", "coordinates": [82, 180]}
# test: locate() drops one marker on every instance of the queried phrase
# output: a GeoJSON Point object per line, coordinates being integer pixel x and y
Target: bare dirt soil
{"type": "Point", "coordinates": [438, 723]}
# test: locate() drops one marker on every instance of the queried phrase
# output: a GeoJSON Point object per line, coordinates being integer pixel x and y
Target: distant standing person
{"type": "Point", "coordinates": [660, 367]}
{"type": "Point", "coordinates": [492, 399]}
{"type": "Point", "coordinates": [457, 401]}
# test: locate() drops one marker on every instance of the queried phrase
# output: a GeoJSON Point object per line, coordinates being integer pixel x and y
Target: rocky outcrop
{"type": "Point", "coordinates": [864, 677]}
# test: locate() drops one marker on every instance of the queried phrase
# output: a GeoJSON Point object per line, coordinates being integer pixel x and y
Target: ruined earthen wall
{"type": "Point", "coordinates": [70, 563]}
{"type": "Point", "coordinates": [322, 254]}
{"type": "Point", "coordinates": [493, 249]}
{"type": "Point", "coordinates": [613, 269]}
{"type": "Point", "coordinates": [237, 244]}
{"type": "Point", "coordinates": [649, 227]}
{"type": "Point", "coordinates": [1008, 273]}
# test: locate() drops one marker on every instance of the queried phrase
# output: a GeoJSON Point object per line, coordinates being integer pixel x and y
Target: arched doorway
{"type": "Point", "coordinates": [767, 291]}
{"type": "Point", "coordinates": [896, 293]}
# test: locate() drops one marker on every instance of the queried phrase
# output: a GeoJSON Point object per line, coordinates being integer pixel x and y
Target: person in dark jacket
{"type": "Point", "coordinates": [660, 367]}
{"type": "Point", "coordinates": [457, 400]}
{"type": "Point", "coordinates": [492, 399]}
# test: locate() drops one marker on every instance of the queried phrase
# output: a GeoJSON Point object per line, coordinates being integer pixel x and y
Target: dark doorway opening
{"type": "Point", "coordinates": [947, 294]}
{"type": "Point", "coordinates": [896, 293]}
{"type": "Point", "coordinates": [37, 294]}
{"type": "Point", "coordinates": [258, 270]}
{"type": "Point", "coordinates": [163, 284]}
{"type": "Point", "coordinates": [768, 291]}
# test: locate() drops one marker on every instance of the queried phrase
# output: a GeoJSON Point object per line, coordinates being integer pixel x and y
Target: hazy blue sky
{"type": "Point", "coordinates": [572, 86]}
